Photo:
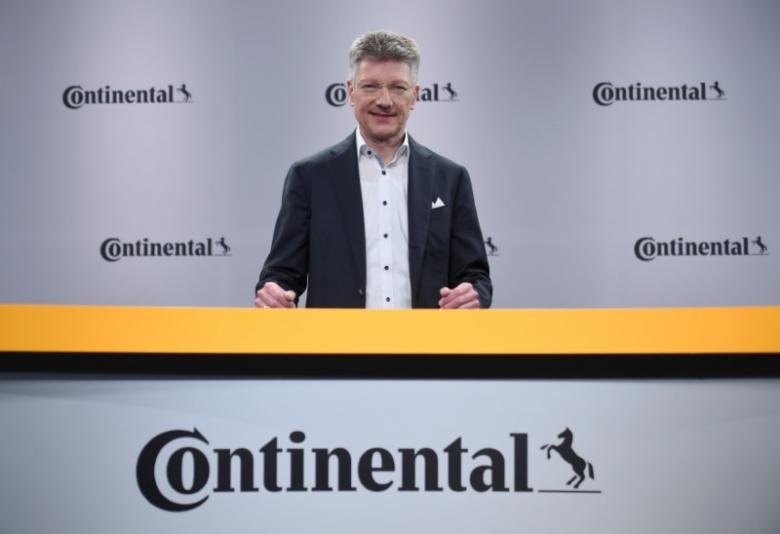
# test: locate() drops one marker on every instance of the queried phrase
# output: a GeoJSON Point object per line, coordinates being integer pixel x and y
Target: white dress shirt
{"type": "Point", "coordinates": [385, 215]}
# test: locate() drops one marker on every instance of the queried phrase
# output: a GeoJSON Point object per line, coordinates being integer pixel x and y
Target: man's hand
{"type": "Point", "coordinates": [271, 295]}
{"type": "Point", "coordinates": [463, 296]}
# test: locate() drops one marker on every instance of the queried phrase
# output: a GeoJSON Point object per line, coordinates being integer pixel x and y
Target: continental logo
{"type": "Point", "coordinates": [179, 470]}
{"type": "Point", "coordinates": [76, 96]}
{"type": "Point", "coordinates": [607, 93]}
{"type": "Point", "coordinates": [114, 249]}
{"type": "Point", "coordinates": [649, 248]}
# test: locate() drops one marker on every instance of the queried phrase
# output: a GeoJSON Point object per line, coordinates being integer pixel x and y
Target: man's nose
{"type": "Point", "coordinates": [383, 97]}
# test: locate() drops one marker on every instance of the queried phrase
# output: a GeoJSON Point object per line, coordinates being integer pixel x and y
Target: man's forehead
{"type": "Point", "coordinates": [387, 67]}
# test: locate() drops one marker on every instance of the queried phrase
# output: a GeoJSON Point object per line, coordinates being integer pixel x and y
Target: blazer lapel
{"type": "Point", "coordinates": [345, 178]}
{"type": "Point", "coordinates": [419, 206]}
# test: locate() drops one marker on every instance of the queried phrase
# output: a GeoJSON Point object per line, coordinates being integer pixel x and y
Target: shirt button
{"type": "Point", "coordinates": [384, 172]}
{"type": "Point", "coordinates": [369, 152]}
{"type": "Point", "coordinates": [387, 267]}
{"type": "Point", "coordinates": [384, 202]}
{"type": "Point", "coordinates": [387, 299]}
{"type": "Point", "coordinates": [385, 236]}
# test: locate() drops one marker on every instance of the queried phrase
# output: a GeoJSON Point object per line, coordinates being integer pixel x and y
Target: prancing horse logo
{"type": "Point", "coordinates": [183, 90]}
{"type": "Point", "coordinates": [577, 463]}
{"type": "Point", "coordinates": [225, 247]}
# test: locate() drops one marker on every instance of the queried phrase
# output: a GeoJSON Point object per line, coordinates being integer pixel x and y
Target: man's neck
{"type": "Point", "coordinates": [385, 149]}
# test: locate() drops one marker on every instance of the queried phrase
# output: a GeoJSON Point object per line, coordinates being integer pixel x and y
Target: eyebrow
{"type": "Point", "coordinates": [391, 82]}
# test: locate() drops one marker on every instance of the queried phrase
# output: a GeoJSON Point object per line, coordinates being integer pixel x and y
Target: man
{"type": "Point", "coordinates": [378, 220]}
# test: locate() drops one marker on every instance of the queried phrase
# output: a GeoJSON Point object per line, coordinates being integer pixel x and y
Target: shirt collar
{"type": "Point", "coordinates": [364, 150]}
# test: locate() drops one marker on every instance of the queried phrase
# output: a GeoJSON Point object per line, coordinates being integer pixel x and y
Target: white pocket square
{"type": "Point", "coordinates": [438, 203]}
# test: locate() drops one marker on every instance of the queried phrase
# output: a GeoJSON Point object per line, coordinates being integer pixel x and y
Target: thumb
{"type": "Point", "coordinates": [289, 295]}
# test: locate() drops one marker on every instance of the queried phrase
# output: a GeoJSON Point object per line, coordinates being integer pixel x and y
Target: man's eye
{"type": "Point", "coordinates": [369, 87]}
{"type": "Point", "coordinates": [398, 88]}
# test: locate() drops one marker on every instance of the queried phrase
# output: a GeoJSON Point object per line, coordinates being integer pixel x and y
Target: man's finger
{"type": "Point", "coordinates": [266, 300]}
{"type": "Point", "coordinates": [451, 293]}
{"type": "Point", "coordinates": [271, 295]}
{"type": "Point", "coordinates": [448, 295]}
{"type": "Point", "coordinates": [461, 301]}
{"type": "Point", "coordinates": [462, 296]}
{"type": "Point", "coordinates": [471, 304]}
{"type": "Point", "coordinates": [273, 301]}
{"type": "Point", "coordinates": [274, 290]}
{"type": "Point", "coordinates": [468, 300]}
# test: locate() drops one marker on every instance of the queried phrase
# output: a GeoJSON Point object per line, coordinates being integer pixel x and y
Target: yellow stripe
{"type": "Point", "coordinates": [43, 328]}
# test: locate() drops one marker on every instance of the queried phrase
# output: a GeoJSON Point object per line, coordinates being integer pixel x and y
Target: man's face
{"type": "Point", "coordinates": [383, 95]}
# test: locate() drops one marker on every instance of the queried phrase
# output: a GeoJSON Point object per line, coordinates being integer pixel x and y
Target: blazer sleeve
{"type": "Point", "coordinates": [468, 261]}
{"type": "Point", "coordinates": [287, 262]}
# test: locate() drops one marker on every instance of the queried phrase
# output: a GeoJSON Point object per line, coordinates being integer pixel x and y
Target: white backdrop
{"type": "Point", "coordinates": [564, 186]}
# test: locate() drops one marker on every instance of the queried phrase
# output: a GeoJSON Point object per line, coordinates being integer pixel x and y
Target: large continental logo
{"type": "Point", "coordinates": [336, 93]}
{"type": "Point", "coordinates": [76, 96]}
{"type": "Point", "coordinates": [177, 470]}
{"type": "Point", "coordinates": [607, 93]}
{"type": "Point", "coordinates": [114, 249]}
{"type": "Point", "coordinates": [649, 248]}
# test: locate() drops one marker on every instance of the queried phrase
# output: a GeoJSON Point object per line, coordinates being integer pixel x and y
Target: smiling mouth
{"type": "Point", "coordinates": [382, 115]}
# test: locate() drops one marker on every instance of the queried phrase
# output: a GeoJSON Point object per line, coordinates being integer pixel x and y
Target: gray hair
{"type": "Point", "coordinates": [383, 45]}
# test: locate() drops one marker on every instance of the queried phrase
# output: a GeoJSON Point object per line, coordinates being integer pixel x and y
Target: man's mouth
{"type": "Point", "coordinates": [381, 114]}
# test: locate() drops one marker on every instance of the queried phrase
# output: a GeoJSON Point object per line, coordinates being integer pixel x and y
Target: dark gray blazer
{"type": "Point", "coordinates": [319, 233]}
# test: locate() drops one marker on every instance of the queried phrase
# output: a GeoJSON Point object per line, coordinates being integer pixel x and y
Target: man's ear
{"type": "Point", "coordinates": [416, 94]}
{"type": "Point", "coordinates": [350, 90]}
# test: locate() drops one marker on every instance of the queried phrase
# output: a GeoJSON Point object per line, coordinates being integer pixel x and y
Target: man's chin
{"type": "Point", "coordinates": [383, 135]}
